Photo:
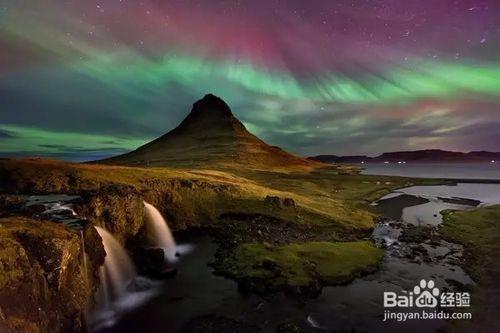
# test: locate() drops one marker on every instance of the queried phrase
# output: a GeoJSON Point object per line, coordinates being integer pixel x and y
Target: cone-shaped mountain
{"type": "Point", "coordinates": [210, 135]}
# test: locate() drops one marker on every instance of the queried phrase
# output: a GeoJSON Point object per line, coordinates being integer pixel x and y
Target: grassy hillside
{"type": "Point", "coordinates": [319, 198]}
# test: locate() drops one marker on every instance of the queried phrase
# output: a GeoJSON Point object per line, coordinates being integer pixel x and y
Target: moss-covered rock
{"type": "Point", "coordinates": [120, 213]}
{"type": "Point", "coordinates": [302, 268]}
{"type": "Point", "coordinates": [44, 284]}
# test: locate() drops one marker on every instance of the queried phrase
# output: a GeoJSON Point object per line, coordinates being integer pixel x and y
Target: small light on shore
{"type": "Point", "coordinates": [492, 161]}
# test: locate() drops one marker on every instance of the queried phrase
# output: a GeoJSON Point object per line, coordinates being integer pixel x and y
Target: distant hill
{"type": "Point", "coordinates": [211, 136]}
{"type": "Point", "coordinates": [417, 156]}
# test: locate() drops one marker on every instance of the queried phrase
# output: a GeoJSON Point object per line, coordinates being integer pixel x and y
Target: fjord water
{"type": "Point", "coordinates": [461, 196]}
{"type": "Point", "coordinates": [159, 232]}
{"type": "Point", "coordinates": [435, 170]}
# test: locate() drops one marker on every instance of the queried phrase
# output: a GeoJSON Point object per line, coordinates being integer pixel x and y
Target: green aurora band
{"type": "Point", "coordinates": [399, 84]}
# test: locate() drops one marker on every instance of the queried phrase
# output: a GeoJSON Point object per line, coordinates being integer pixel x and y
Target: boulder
{"type": "Point", "coordinates": [280, 202]}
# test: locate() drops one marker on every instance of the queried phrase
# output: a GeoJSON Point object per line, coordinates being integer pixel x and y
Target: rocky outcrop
{"type": "Point", "coordinates": [9, 203]}
{"type": "Point", "coordinates": [120, 213]}
{"type": "Point", "coordinates": [45, 285]}
{"type": "Point", "coordinates": [280, 202]}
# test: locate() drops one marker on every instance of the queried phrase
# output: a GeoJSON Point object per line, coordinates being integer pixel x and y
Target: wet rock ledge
{"type": "Point", "coordinates": [45, 284]}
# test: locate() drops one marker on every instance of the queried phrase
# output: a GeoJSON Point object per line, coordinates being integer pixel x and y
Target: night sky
{"type": "Point", "coordinates": [86, 79]}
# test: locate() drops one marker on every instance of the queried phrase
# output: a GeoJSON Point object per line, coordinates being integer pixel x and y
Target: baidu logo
{"type": "Point", "coordinates": [427, 302]}
{"type": "Point", "coordinates": [425, 295]}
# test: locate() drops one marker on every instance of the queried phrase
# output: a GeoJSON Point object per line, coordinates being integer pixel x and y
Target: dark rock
{"type": "Point", "coordinates": [395, 224]}
{"type": "Point", "coordinates": [187, 183]}
{"type": "Point", "coordinates": [272, 200]}
{"type": "Point", "coordinates": [151, 262]}
{"type": "Point", "coordinates": [417, 234]}
{"type": "Point", "coordinates": [32, 210]}
{"type": "Point", "coordinates": [419, 249]}
{"type": "Point", "coordinates": [288, 328]}
{"type": "Point", "coordinates": [461, 201]}
{"type": "Point", "coordinates": [280, 202]}
{"type": "Point", "coordinates": [393, 208]}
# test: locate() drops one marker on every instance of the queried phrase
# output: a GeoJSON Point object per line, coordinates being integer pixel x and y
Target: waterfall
{"type": "Point", "coordinates": [118, 270]}
{"type": "Point", "coordinates": [159, 232]}
{"type": "Point", "coordinates": [121, 289]}
{"type": "Point", "coordinates": [84, 259]}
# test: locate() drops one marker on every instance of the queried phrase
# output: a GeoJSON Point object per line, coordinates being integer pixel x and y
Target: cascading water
{"type": "Point", "coordinates": [118, 270]}
{"type": "Point", "coordinates": [120, 290]}
{"type": "Point", "coordinates": [159, 232]}
{"type": "Point", "coordinates": [84, 258]}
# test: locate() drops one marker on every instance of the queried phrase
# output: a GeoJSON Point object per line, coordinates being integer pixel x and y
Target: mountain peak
{"type": "Point", "coordinates": [211, 104]}
{"type": "Point", "coordinates": [211, 116]}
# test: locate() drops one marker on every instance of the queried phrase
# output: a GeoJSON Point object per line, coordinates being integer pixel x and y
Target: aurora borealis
{"type": "Point", "coordinates": [86, 79]}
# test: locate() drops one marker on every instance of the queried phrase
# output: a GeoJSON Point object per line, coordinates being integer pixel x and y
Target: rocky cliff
{"type": "Point", "coordinates": [45, 284]}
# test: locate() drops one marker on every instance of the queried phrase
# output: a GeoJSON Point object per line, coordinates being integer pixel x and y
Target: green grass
{"type": "Point", "coordinates": [298, 265]}
{"type": "Point", "coordinates": [479, 231]}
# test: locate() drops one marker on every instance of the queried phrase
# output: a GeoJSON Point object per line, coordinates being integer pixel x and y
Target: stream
{"type": "Point", "coordinates": [196, 292]}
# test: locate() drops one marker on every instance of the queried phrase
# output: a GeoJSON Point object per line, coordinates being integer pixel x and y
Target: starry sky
{"type": "Point", "coordinates": [87, 79]}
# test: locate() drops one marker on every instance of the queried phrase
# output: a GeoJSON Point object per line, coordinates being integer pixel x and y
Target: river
{"type": "Point", "coordinates": [196, 292]}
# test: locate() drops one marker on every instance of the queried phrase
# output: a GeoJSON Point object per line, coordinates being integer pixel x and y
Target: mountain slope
{"type": "Point", "coordinates": [211, 135]}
